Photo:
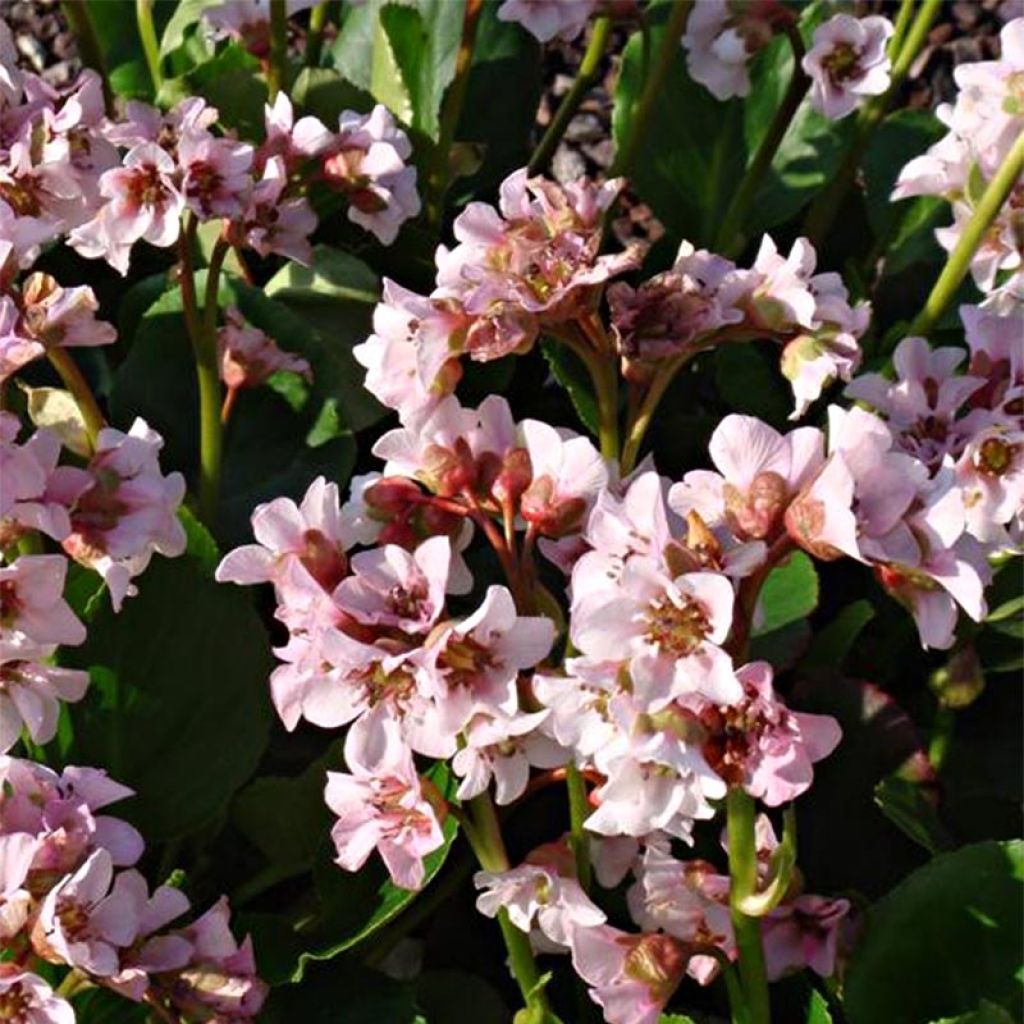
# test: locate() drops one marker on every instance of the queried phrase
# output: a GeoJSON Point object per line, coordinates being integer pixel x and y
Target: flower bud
{"type": "Point", "coordinates": [757, 514]}
{"type": "Point", "coordinates": [553, 517]}
{"type": "Point", "coordinates": [448, 471]}
{"type": "Point", "coordinates": [959, 682]}
{"type": "Point", "coordinates": [805, 520]}
{"type": "Point", "coordinates": [400, 533]}
{"type": "Point", "coordinates": [513, 478]}
{"type": "Point", "coordinates": [391, 496]}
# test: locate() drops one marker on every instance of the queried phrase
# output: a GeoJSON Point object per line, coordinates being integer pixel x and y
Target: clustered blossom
{"type": "Point", "coordinates": [706, 300]}
{"type": "Point", "coordinates": [249, 357]}
{"type": "Point", "coordinates": [848, 62]}
{"type": "Point", "coordinates": [68, 169]}
{"type": "Point", "coordinates": [70, 896]}
{"type": "Point", "coordinates": [984, 123]}
{"type": "Point", "coordinates": [549, 19]}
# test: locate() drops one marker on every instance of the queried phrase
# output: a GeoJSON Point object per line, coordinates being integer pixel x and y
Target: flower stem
{"type": "Point", "coordinates": [906, 12]}
{"type": "Point", "coordinates": [740, 811]}
{"type": "Point", "coordinates": [639, 121]}
{"type": "Point", "coordinates": [731, 239]}
{"type": "Point", "coordinates": [88, 44]}
{"type": "Point", "coordinates": [637, 429]}
{"type": "Point", "coordinates": [824, 209]}
{"type": "Point", "coordinates": [277, 68]}
{"type": "Point", "coordinates": [489, 847]}
{"type": "Point", "coordinates": [150, 46]}
{"type": "Point", "coordinates": [579, 809]}
{"type": "Point", "coordinates": [315, 34]}
{"type": "Point", "coordinates": [959, 261]}
{"type": "Point", "coordinates": [75, 382]}
{"type": "Point", "coordinates": [585, 78]}
{"type": "Point", "coordinates": [451, 111]}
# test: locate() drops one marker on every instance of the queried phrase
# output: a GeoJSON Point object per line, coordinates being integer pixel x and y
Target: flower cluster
{"type": "Point", "coordinates": [69, 896]}
{"type": "Point", "coordinates": [984, 123]}
{"type": "Point", "coordinates": [66, 168]}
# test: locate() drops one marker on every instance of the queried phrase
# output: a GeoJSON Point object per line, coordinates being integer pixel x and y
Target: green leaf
{"type": "Point", "coordinates": [323, 93]}
{"type": "Point", "coordinates": [747, 376]}
{"type": "Point", "coordinates": [185, 15]}
{"type": "Point", "coordinates": [101, 1006]}
{"type": "Point", "coordinates": [179, 707]}
{"type": "Point", "coordinates": [790, 593]}
{"type": "Point", "coordinates": [693, 154]}
{"type": "Point", "coordinates": [344, 994]}
{"type": "Point", "coordinates": [443, 997]}
{"type": "Point", "coordinates": [986, 1013]}
{"type": "Point", "coordinates": [201, 545]}
{"type": "Point", "coordinates": [831, 644]}
{"type": "Point", "coordinates": [817, 1009]}
{"type": "Point", "coordinates": [905, 803]}
{"type": "Point", "coordinates": [569, 371]}
{"type": "Point", "coordinates": [333, 275]}
{"type": "Point", "coordinates": [945, 938]}
{"type": "Point", "coordinates": [675, 1018]}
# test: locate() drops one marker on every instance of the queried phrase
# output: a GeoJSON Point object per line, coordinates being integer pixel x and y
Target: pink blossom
{"type": "Point", "coordinates": [248, 21]}
{"type": "Point", "coordinates": [631, 977]}
{"type": "Point", "coordinates": [504, 748]}
{"type": "Point", "coordinates": [25, 996]}
{"type": "Point", "coordinates": [145, 203]}
{"type": "Point", "coordinates": [669, 629]}
{"type": "Point", "coordinates": [42, 194]}
{"type": "Point", "coordinates": [847, 62]}
{"type": "Point", "coordinates": [548, 19]}
{"type": "Point", "coordinates": [367, 162]}
{"type": "Point", "coordinates": [84, 920]}
{"type": "Point", "coordinates": [536, 895]}
{"type": "Point", "coordinates": [11, 80]}
{"type": "Point", "coordinates": [220, 978]}
{"type": "Point", "coordinates": [215, 177]}
{"type": "Point", "coordinates": [474, 663]}
{"type": "Point", "coordinates": [129, 512]}
{"type": "Point", "coordinates": [803, 933]}
{"type": "Point", "coordinates": [248, 357]}
{"type": "Point", "coordinates": [273, 222]}
{"type": "Point", "coordinates": [31, 601]}
{"type": "Point", "coordinates": [294, 141]}
{"type": "Point", "coordinates": [990, 472]}
{"type": "Point", "coordinates": [382, 806]}
{"type": "Point", "coordinates": [760, 744]}
{"type": "Point", "coordinates": [30, 691]}
{"type": "Point", "coordinates": [820, 519]}
{"type": "Point", "coordinates": [143, 123]}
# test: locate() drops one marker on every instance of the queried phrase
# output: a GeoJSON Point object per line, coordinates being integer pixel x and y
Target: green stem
{"type": "Point", "coordinates": [959, 261]}
{"type": "Point", "coordinates": [88, 45]}
{"type": "Point", "coordinates": [906, 12]}
{"type": "Point", "coordinates": [606, 383]}
{"type": "Point", "coordinates": [585, 78]}
{"type": "Point", "coordinates": [579, 810]}
{"type": "Point", "coordinates": [824, 209]}
{"type": "Point", "coordinates": [639, 121]}
{"type": "Point", "coordinates": [315, 34]}
{"type": "Point", "coordinates": [740, 811]}
{"type": "Point", "coordinates": [73, 982]}
{"type": "Point", "coordinates": [451, 111]}
{"type": "Point", "coordinates": [150, 46]}
{"type": "Point", "coordinates": [941, 737]}
{"type": "Point", "coordinates": [638, 427]}
{"type": "Point", "coordinates": [734, 990]}
{"type": "Point", "coordinates": [75, 382]}
{"type": "Point", "coordinates": [489, 847]}
{"type": "Point", "coordinates": [730, 239]}
{"type": "Point", "coordinates": [277, 67]}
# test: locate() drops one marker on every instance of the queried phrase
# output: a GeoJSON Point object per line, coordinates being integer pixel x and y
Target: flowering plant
{"type": "Point", "coordinates": [474, 607]}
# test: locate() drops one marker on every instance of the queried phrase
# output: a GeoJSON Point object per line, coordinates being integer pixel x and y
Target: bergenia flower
{"type": "Point", "coordinates": [382, 806]}
{"type": "Point", "coordinates": [803, 933]}
{"type": "Point", "coordinates": [248, 356]}
{"type": "Point", "coordinates": [28, 996]}
{"type": "Point", "coordinates": [215, 178]}
{"type": "Point", "coordinates": [847, 62]}
{"type": "Point", "coordinates": [274, 221]}
{"type": "Point", "coordinates": [549, 19]}
{"type": "Point", "coordinates": [32, 606]}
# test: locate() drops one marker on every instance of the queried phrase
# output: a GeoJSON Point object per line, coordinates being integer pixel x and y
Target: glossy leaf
{"type": "Point", "coordinates": [790, 593]}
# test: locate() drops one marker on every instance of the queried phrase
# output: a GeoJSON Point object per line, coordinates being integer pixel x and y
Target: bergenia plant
{"type": "Point", "coordinates": [511, 510]}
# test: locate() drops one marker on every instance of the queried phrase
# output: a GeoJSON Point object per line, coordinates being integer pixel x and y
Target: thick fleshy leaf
{"type": "Point", "coordinates": [790, 593]}
{"type": "Point", "coordinates": [178, 707]}
{"type": "Point", "coordinates": [944, 939]}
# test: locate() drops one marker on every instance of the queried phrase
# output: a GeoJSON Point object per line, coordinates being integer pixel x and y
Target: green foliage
{"type": "Point", "coordinates": [945, 938]}
{"type": "Point", "coordinates": [790, 593]}
{"type": "Point", "coordinates": [568, 369]}
{"type": "Point", "coordinates": [183, 666]}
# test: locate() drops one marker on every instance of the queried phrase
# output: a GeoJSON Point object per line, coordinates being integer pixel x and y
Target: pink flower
{"type": "Point", "coordinates": [548, 19]}
{"type": "Point", "coordinates": [503, 747]}
{"type": "Point", "coordinates": [220, 978]}
{"type": "Point", "coordinates": [294, 141]}
{"type": "Point", "coordinates": [820, 519]}
{"type": "Point", "coordinates": [847, 62]}
{"type": "Point", "coordinates": [27, 997]}
{"type": "Point", "coordinates": [273, 222]}
{"type": "Point", "coordinates": [367, 162]}
{"type": "Point", "coordinates": [759, 473]}
{"type": "Point", "coordinates": [803, 933]}
{"type": "Point", "coordinates": [30, 692]}
{"type": "Point", "coordinates": [474, 664]}
{"type": "Point", "coordinates": [990, 472]}
{"type": "Point", "coordinates": [31, 601]}
{"type": "Point", "coordinates": [248, 357]}
{"type": "Point", "coordinates": [215, 178]}
{"type": "Point", "coordinates": [668, 629]}
{"type": "Point", "coordinates": [248, 21]}
{"type": "Point", "coordinates": [392, 589]}
{"type": "Point", "coordinates": [760, 744]}
{"type": "Point", "coordinates": [382, 806]}
{"type": "Point", "coordinates": [537, 895]}
{"type": "Point", "coordinates": [145, 203]}
{"type": "Point", "coordinates": [631, 977]}
{"type": "Point", "coordinates": [129, 512]}
{"type": "Point", "coordinates": [83, 920]}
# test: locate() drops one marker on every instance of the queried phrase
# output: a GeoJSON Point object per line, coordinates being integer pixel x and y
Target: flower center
{"type": "Point", "coordinates": [843, 63]}
{"type": "Point", "coordinates": [657, 961]}
{"type": "Point", "coordinates": [995, 456]}
{"type": "Point", "coordinates": [15, 1004]}
{"type": "Point", "coordinates": [677, 629]}
{"type": "Point", "coordinates": [464, 660]}
{"type": "Point", "coordinates": [10, 604]}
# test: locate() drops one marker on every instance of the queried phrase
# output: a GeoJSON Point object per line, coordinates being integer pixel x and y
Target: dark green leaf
{"type": "Point", "coordinates": [101, 1006]}
{"type": "Point", "coordinates": [986, 1013]}
{"type": "Point", "coordinates": [570, 372]}
{"type": "Point", "coordinates": [789, 593]}
{"type": "Point", "coordinates": [179, 707]}
{"type": "Point", "coordinates": [323, 93]}
{"type": "Point", "coordinates": [443, 997]}
{"type": "Point", "coordinates": [748, 378]}
{"type": "Point", "coordinates": [906, 804]}
{"type": "Point", "coordinates": [817, 1010]}
{"type": "Point", "coordinates": [942, 940]}
{"type": "Point", "coordinates": [832, 643]}
{"type": "Point", "coordinates": [201, 545]}
{"type": "Point", "coordinates": [185, 15]}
